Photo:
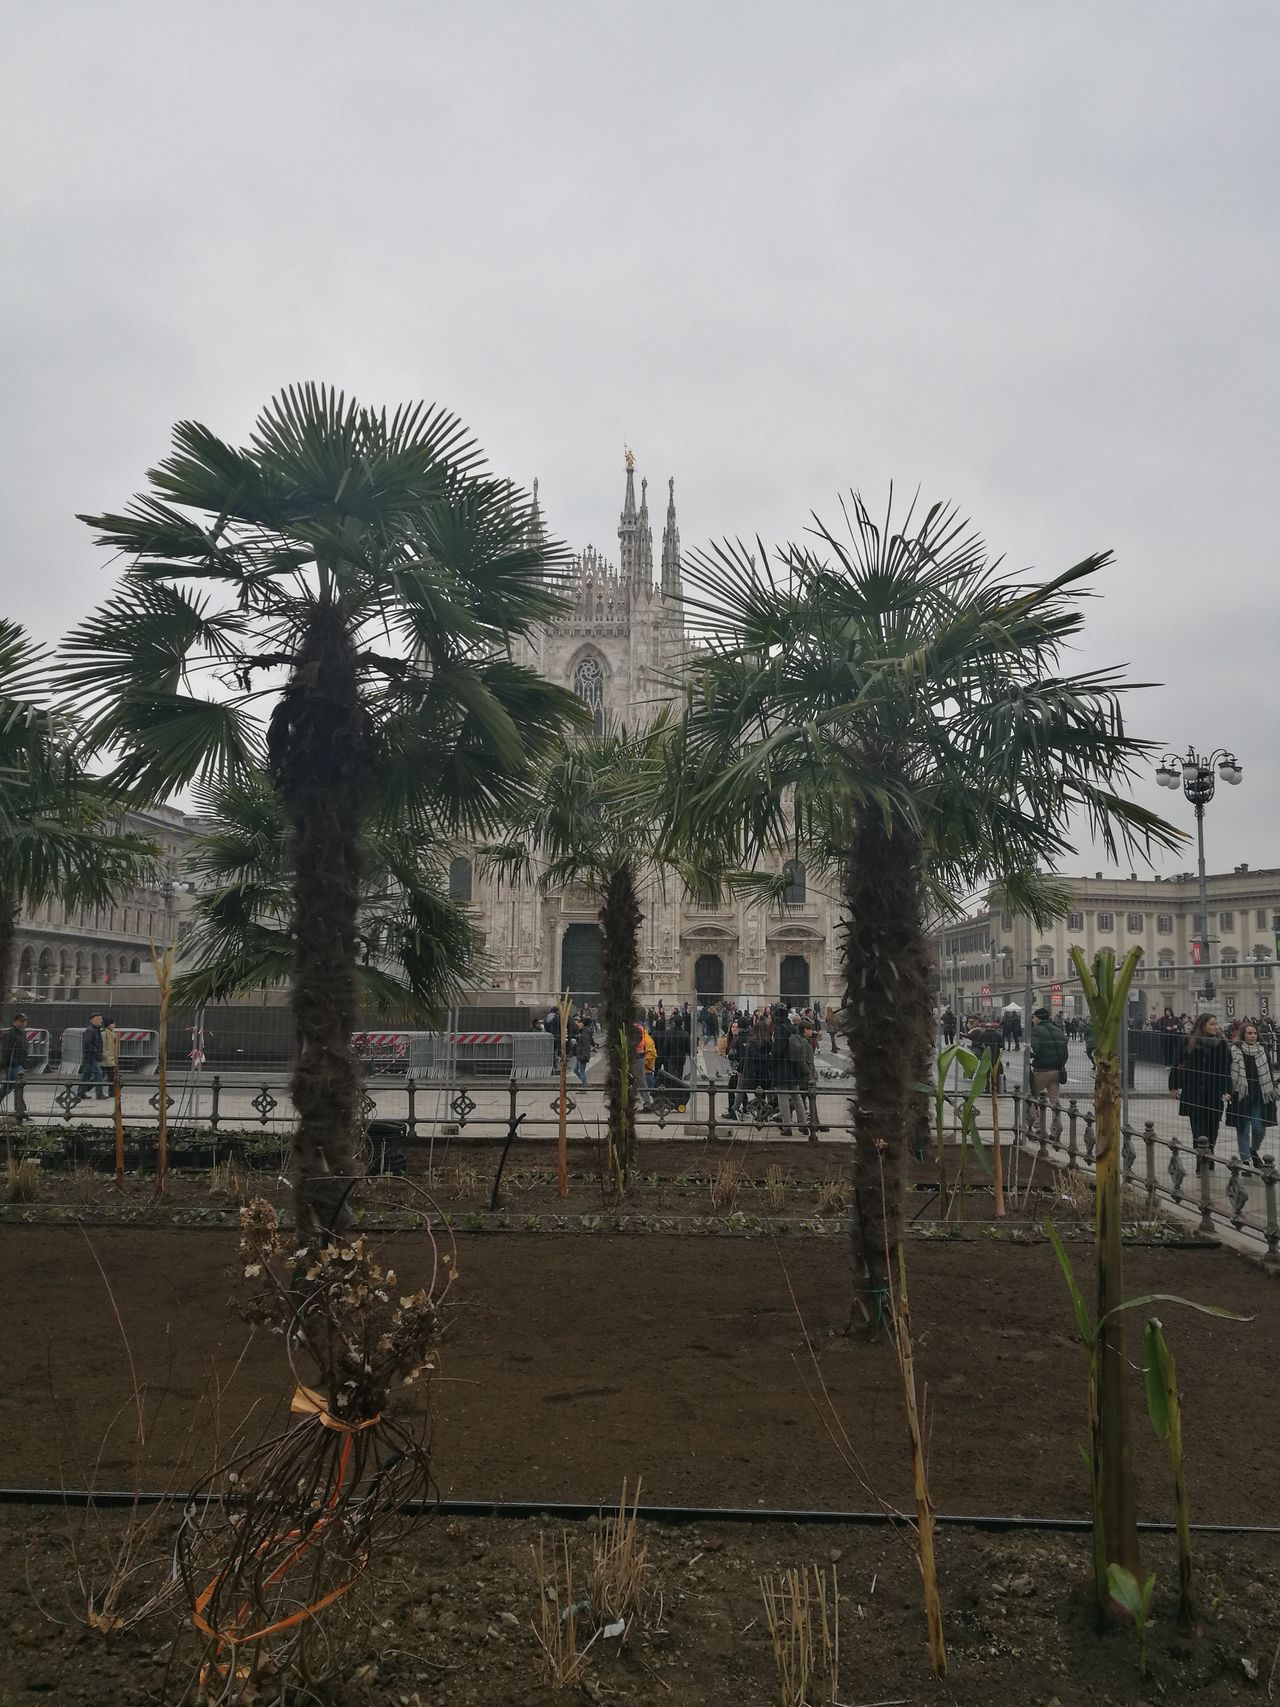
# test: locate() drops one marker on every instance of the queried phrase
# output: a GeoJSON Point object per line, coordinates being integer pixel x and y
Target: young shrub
{"type": "Point", "coordinates": [726, 1183]}
{"type": "Point", "coordinates": [833, 1196]}
{"type": "Point", "coordinates": [775, 1188]}
{"type": "Point", "coordinates": [20, 1180]}
{"type": "Point", "coordinates": [618, 1578]}
{"type": "Point", "coordinates": [1098, 1456]}
{"type": "Point", "coordinates": [84, 1184]}
{"type": "Point", "coordinates": [790, 1604]}
{"type": "Point", "coordinates": [316, 1503]}
{"type": "Point", "coordinates": [562, 1662]}
{"type": "Point", "coordinates": [1135, 1598]}
{"type": "Point", "coordinates": [1164, 1407]}
{"type": "Point", "coordinates": [1106, 991]}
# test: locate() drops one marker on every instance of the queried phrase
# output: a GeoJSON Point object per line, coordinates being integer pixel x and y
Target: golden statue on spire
{"type": "Point", "coordinates": [631, 457]}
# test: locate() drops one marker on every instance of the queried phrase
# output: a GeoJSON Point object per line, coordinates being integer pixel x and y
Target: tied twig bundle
{"type": "Point", "coordinates": [305, 1511]}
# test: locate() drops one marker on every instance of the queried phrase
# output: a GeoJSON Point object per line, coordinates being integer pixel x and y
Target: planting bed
{"type": "Point", "coordinates": [450, 1623]}
{"type": "Point", "coordinates": [785, 1185]}
{"type": "Point", "coordinates": [573, 1361]}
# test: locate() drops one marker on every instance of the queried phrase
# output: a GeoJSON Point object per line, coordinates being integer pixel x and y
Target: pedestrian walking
{"type": "Point", "coordinates": [110, 1051]}
{"type": "Point", "coordinates": [1047, 1042]}
{"type": "Point", "coordinates": [949, 1024]}
{"type": "Point", "coordinates": [91, 1073]}
{"type": "Point", "coordinates": [1202, 1079]}
{"type": "Point", "coordinates": [582, 1051]}
{"type": "Point", "coordinates": [13, 1060]}
{"type": "Point", "coordinates": [1253, 1094]}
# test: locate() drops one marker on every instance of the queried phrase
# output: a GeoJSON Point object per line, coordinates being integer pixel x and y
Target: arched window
{"type": "Point", "coordinates": [460, 879]}
{"type": "Point", "coordinates": [793, 894]}
{"type": "Point", "coordinates": [134, 965]}
{"type": "Point", "coordinates": [588, 684]}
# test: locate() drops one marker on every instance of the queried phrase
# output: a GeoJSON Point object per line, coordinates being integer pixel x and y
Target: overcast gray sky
{"type": "Point", "coordinates": [1023, 256]}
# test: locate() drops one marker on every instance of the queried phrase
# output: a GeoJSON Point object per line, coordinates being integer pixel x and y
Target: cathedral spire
{"type": "Point", "coordinates": [671, 547]}
{"type": "Point", "coordinates": [644, 542]}
{"type": "Point", "coordinates": [629, 528]}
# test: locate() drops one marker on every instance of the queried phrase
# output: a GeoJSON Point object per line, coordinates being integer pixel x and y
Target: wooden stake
{"type": "Point", "coordinates": [119, 1118]}
{"type": "Point", "coordinates": [995, 1144]}
{"type": "Point", "coordinates": [562, 1185]}
{"type": "Point", "coordinates": [163, 963]}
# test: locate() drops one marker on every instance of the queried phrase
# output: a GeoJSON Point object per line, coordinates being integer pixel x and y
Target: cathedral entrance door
{"type": "Point", "coordinates": [581, 961]}
{"type": "Point", "coordinates": [708, 976]}
{"type": "Point", "coordinates": [793, 977]}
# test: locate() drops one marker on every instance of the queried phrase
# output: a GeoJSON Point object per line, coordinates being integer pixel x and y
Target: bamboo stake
{"type": "Point", "coordinates": [995, 1146]}
{"type": "Point", "coordinates": [118, 1113]}
{"type": "Point", "coordinates": [163, 963]}
{"type": "Point", "coordinates": [562, 1153]}
{"type": "Point", "coordinates": [901, 1315]}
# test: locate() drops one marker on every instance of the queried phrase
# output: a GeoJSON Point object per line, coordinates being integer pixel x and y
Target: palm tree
{"type": "Point", "coordinates": [890, 699]}
{"type": "Point", "coordinates": [369, 574]}
{"type": "Point", "coordinates": [590, 821]}
{"type": "Point", "coordinates": [417, 947]}
{"type": "Point", "coordinates": [59, 827]}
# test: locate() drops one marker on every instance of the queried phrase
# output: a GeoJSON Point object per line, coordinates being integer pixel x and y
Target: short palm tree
{"type": "Point", "coordinates": [588, 822]}
{"type": "Point", "coordinates": [59, 827]}
{"type": "Point", "coordinates": [357, 578]}
{"type": "Point", "coordinates": [417, 947]}
{"type": "Point", "coordinates": [890, 699]}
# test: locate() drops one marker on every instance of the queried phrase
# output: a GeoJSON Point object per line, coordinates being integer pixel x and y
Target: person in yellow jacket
{"type": "Point", "coordinates": [644, 1055]}
{"type": "Point", "coordinates": [110, 1050]}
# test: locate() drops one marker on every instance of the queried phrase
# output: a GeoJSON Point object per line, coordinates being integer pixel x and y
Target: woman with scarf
{"type": "Point", "coordinates": [1253, 1094]}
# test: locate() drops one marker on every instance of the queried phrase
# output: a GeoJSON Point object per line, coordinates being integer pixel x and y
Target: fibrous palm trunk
{"type": "Point", "coordinates": [889, 1028]}
{"type": "Point", "coordinates": [319, 749]}
{"type": "Point", "coordinates": [8, 941]}
{"type": "Point", "coordinates": [620, 921]}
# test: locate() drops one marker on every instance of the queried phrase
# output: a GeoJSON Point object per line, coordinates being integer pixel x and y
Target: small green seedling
{"type": "Point", "coordinates": [977, 1069]}
{"type": "Point", "coordinates": [1164, 1407]}
{"type": "Point", "coordinates": [1125, 1591]}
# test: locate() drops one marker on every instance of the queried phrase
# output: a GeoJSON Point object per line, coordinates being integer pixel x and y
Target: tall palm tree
{"type": "Point", "coordinates": [59, 827]}
{"type": "Point", "coordinates": [588, 822]}
{"type": "Point", "coordinates": [890, 698]}
{"type": "Point", "coordinates": [357, 577]}
{"type": "Point", "coordinates": [417, 947]}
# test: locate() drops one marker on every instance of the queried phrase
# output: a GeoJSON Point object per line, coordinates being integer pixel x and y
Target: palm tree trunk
{"type": "Point", "coordinates": [8, 941]}
{"type": "Point", "coordinates": [890, 1033]}
{"type": "Point", "coordinates": [319, 748]}
{"type": "Point", "coordinates": [620, 921]}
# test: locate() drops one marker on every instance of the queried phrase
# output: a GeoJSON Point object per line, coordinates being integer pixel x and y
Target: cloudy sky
{"type": "Point", "coordinates": [1023, 257]}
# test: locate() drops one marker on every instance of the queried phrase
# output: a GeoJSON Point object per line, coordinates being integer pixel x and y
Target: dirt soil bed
{"type": "Point", "coordinates": [572, 1361]}
{"type": "Point", "coordinates": [681, 1179]}
{"type": "Point", "coordinates": [450, 1623]}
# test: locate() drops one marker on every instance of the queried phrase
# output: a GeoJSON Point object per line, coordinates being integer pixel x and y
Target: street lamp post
{"type": "Point", "coordinates": [1195, 772]}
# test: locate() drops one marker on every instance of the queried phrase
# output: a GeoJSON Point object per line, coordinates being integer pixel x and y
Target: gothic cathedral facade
{"type": "Point", "coordinates": [617, 647]}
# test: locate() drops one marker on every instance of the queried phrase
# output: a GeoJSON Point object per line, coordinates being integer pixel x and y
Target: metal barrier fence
{"type": "Point", "coordinates": [1159, 1160]}
{"type": "Point", "coordinates": [138, 1050]}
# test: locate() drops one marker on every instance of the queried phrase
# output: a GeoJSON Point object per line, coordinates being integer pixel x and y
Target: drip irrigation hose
{"type": "Point", "coordinates": [578, 1511]}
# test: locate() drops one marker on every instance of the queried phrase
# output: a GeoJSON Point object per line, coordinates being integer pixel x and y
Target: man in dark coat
{"type": "Point", "coordinates": [13, 1059]}
{"type": "Point", "coordinates": [91, 1072]}
{"type": "Point", "coordinates": [1047, 1042]}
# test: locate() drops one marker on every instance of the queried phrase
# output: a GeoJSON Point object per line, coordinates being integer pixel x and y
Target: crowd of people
{"type": "Point", "coordinates": [768, 1050]}
{"type": "Point", "coordinates": [1217, 1076]}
